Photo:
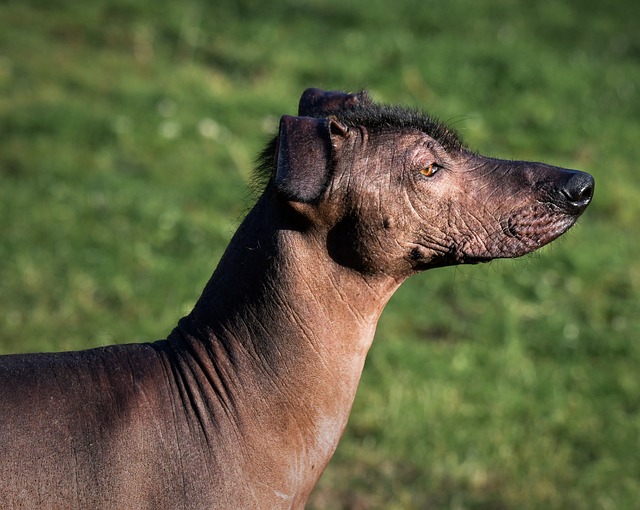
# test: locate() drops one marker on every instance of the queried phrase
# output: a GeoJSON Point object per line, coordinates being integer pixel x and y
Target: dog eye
{"type": "Point", "coordinates": [430, 170]}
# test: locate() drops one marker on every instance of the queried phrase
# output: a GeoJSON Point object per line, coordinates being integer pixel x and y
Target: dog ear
{"type": "Point", "coordinates": [320, 103]}
{"type": "Point", "coordinates": [304, 156]}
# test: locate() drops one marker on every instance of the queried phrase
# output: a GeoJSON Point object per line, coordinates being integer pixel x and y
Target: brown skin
{"type": "Point", "coordinates": [244, 403]}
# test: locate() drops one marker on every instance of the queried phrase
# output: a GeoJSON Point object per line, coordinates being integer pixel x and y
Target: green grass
{"type": "Point", "coordinates": [128, 131]}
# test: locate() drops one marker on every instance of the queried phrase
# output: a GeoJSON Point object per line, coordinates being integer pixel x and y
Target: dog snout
{"type": "Point", "coordinates": [578, 189]}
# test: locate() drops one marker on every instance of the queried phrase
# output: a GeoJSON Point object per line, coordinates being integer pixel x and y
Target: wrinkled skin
{"type": "Point", "coordinates": [473, 209]}
{"type": "Point", "coordinates": [243, 405]}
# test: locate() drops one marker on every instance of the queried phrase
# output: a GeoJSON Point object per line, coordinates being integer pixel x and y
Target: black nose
{"type": "Point", "coordinates": [578, 189]}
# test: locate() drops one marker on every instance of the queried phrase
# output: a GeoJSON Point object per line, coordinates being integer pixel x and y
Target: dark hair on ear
{"type": "Point", "coordinates": [264, 167]}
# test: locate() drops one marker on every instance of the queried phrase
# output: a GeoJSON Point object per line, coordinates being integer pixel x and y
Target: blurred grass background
{"type": "Point", "coordinates": [128, 131]}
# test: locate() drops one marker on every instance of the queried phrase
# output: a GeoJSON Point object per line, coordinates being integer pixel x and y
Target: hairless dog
{"type": "Point", "coordinates": [243, 404]}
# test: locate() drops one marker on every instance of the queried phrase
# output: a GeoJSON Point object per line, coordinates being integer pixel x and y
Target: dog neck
{"type": "Point", "coordinates": [287, 330]}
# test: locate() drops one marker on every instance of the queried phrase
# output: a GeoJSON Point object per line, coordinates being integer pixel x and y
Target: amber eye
{"type": "Point", "coordinates": [430, 170]}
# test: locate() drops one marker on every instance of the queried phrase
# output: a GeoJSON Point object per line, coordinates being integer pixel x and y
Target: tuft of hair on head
{"type": "Point", "coordinates": [380, 117]}
{"type": "Point", "coordinates": [375, 117]}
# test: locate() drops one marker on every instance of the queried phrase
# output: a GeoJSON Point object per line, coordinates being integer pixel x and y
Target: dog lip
{"type": "Point", "coordinates": [508, 228]}
{"type": "Point", "coordinates": [535, 232]}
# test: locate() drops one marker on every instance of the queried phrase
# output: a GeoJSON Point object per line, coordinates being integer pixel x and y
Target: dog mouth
{"type": "Point", "coordinates": [519, 233]}
{"type": "Point", "coordinates": [533, 227]}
